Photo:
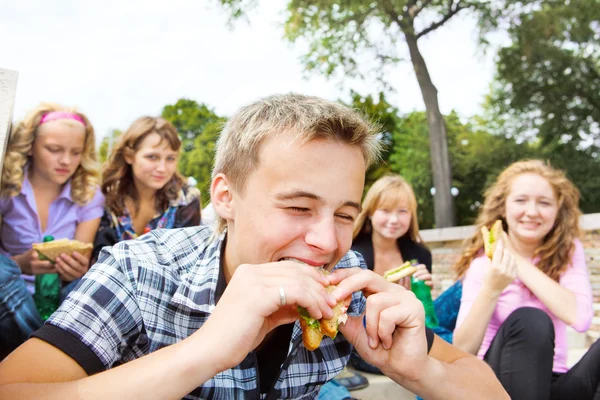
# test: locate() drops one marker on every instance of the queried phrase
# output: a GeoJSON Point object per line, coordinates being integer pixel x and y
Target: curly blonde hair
{"type": "Point", "coordinates": [556, 249]}
{"type": "Point", "coordinates": [84, 181]}
{"type": "Point", "coordinates": [117, 175]}
{"type": "Point", "coordinates": [388, 192]}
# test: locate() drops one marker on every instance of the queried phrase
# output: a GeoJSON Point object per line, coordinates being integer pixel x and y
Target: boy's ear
{"type": "Point", "coordinates": [222, 197]}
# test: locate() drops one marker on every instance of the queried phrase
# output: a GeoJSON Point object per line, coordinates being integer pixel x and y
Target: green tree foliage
{"type": "Point", "coordinates": [477, 156]}
{"type": "Point", "coordinates": [582, 167]}
{"type": "Point", "coordinates": [107, 144]}
{"type": "Point", "coordinates": [386, 116]}
{"type": "Point", "coordinates": [199, 127]}
{"type": "Point", "coordinates": [357, 38]}
{"type": "Point", "coordinates": [548, 79]}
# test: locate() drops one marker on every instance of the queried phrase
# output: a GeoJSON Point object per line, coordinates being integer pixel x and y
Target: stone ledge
{"type": "Point", "coordinates": [588, 222]}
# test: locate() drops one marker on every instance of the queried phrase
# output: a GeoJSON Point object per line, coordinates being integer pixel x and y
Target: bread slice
{"type": "Point", "coordinates": [313, 330]}
{"type": "Point", "coordinates": [330, 326]}
{"type": "Point", "coordinates": [490, 237]}
{"type": "Point", "coordinates": [311, 337]}
{"type": "Point", "coordinates": [51, 250]}
{"type": "Point", "coordinates": [395, 274]}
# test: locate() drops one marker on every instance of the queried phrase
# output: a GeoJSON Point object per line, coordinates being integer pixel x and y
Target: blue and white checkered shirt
{"type": "Point", "coordinates": [149, 293]}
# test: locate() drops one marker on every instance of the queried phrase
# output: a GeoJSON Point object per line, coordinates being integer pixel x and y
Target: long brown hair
{"type": "Point", "coordinates": [85, 179]}
{"type": "Point", "coordinates": [555, 251]}
{"type": "Point", "coordinates": [388, 192]}
{"type": "Point", "coordinates": [117, 176]}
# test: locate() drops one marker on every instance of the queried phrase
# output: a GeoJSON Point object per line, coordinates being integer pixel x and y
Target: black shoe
{"type": "Point", "coordinates": [351, 380]}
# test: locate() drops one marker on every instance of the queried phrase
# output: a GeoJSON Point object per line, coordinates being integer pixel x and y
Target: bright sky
{"type": "Point", "coordinates": [117, 60]}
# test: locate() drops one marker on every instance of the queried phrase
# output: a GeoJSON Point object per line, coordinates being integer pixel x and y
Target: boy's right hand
{"type": "Point", "coordinates": [251, 307]}
{"type": "Point", "coordinates": [30, 263]}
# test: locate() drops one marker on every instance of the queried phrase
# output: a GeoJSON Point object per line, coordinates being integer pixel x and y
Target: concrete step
{"type": "Point", "coordinates": [381, 388]}
{"type": "Point", "coordinates": [576, 340]}
{"type": "Point", "coordinates": [574, 355]}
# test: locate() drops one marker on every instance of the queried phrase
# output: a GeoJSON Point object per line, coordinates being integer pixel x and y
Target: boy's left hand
{"type": "Point", "coordinates": [71, 267]}
{"type": "Point", "coordinates": [394, 338]}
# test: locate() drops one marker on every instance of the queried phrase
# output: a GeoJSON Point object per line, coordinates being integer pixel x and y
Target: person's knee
{"type": "Point", "coordinates": [595, 350]}
{"type": "Point", "coordinates": [532, 324]}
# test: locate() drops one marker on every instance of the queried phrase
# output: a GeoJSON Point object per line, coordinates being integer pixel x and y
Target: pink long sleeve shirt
{"type": "Point", "coordinates": [517, 295]}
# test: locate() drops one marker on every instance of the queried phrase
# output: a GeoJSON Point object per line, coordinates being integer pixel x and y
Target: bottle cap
{"type": "Point", "coordinates": [48, 238]}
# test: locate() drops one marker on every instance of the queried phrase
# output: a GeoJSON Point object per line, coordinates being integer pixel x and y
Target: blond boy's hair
{"type": "Point", "coordinates": [300, 117]}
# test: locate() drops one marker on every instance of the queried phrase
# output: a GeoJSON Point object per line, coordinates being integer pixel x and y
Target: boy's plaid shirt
{"type": "Point", "coordinates": [149, 293]}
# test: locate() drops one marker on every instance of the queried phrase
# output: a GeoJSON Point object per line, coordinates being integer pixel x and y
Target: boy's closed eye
{"type": "Point", "coordinates": [299, 209]}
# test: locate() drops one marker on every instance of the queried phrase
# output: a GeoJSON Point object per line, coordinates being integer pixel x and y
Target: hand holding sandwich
{"type": "Point", "coordinates": [402, 274]}
{"type": "Point", "coordinates": [259, 298]}
{"type": "Point", "coordinates": [68, 257]}
{"type": "Point", "coordinates": [30, 263]}
{"type": "Point", "coordinates": [71, 267]}
{"type": "Point", "coordinates": [394, 338]}
{"type": "Point", "coordinates": [503, 269]}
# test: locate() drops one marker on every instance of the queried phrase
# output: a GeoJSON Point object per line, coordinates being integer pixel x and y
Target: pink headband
{"type": "Point", "coordinates": [55, 115]}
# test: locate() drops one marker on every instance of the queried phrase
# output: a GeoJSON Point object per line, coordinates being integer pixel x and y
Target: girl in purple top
{"type": "Point", "coordinates": [49, 187]}
{"type": "Point", "coordinates": [515, 308]}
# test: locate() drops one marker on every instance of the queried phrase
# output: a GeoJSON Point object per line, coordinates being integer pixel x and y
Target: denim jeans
{"type": "Point", "coordinates": [19, 317]}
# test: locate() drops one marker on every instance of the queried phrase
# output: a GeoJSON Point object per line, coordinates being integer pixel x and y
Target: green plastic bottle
{"type": "Point", "coordinates": [423, 293]}
{"type": "Point", "coordinates": [47, 290]}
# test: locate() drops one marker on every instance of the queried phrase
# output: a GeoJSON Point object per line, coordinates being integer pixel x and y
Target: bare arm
{"type": "Point", "coordinates": [39, 370]}
{"type": "Point", "coordinates": [502, 271]}
{"type": "Point", "coordinates": [463, 376]}
{"type": "Point", "coordinates": [170, 373]}
{"type": "Point", "coordinates": [86, 231]}
{"type": "Point", "coordinates": [560, 301]}
{"type": "Point", "coordinates": [394, 340]}
{"type": "Point", "coordinates": [469, 335]}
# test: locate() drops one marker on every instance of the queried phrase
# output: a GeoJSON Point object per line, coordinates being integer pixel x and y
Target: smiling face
{"type": "Point", "coordinates": [300, 203]}
{"type": "Point", "coordinates": [391, 222]}
{"type": "Point", "coordinates": [57, 150]}
{"type": "Point", "coordinates": [153, 164]}
{"type": "Point", "coordinates": [531, 209]}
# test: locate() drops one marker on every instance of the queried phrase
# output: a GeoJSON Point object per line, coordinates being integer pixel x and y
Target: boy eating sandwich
{"type": "Point", "coordinates": [200, 313]}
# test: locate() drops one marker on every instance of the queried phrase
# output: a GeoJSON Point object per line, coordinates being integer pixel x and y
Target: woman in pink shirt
{"type": "Point", "coordinates": [49, 187]}
{"type": "Point", "coordinates": [515, 308]}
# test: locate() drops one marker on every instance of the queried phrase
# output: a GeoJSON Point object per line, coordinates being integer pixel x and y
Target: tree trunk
{"type": "Point", "coordinates": [438, 142]}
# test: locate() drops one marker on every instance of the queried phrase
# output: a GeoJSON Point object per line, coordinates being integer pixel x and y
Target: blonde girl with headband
{"type": "Point", "coordinates": [49, 187]}
{"type": "Point", "coordinates": [515, 308]}
{"type": "Point", "coordinates": [143, 188]}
